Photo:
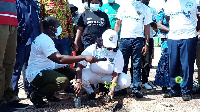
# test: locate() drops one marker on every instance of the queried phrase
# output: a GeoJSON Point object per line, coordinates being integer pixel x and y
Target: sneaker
{"type": "Point", "coordinates": [15, 104]}
{"type": "Point", "coordinates": [146, 86]}
{"type": "Point", "coordinates": [164, 89]}
{"type": "Point", "coordinates": [37, 101]}
{"type": "Point", "coordinates": [171, 94]}
{"type": "Point", "coordinates": [186, 97]}
{"type": "Point", "coordinates": [91, 96]}
{"type": "Point", "coordinates": [52, 98]}
{"type": "Point", "coordinates": [138, 94]}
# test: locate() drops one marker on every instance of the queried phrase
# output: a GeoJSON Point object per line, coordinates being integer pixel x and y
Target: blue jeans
{"type": "Point", "coordinates": [63, 46]}
{"type": "Point", "coordinates": [132, 47]}
{"type": "Point", "coordinates": [182, 55]}
{"type": "Point", "coordinates": [21, 58]}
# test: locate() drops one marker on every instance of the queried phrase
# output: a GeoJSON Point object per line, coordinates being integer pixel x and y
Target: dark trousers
{"type": "Point", "coordinates": [132, 47]}
{"type": "Point", "coordinates": [146, 62]}
{"type": "Point", "coordinates": [182, 55]}
{"type": "Point", "coordinates": [22, 56]}
{"type": "Point", "coordinates": [52, 81]}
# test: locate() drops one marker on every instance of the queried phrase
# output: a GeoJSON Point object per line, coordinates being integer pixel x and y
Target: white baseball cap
{"type": "Point", "coordinates": [110, 38]}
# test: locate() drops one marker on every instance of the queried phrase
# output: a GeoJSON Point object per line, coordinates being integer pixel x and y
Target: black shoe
{"type": "Point", "coordinates": [37, 101]}
{"type": "Point", "coordinates": [91, 96]}
{"type": "Point", "coordinates": [6, 108]}
{"type": "Point", "coordinates": [15, 104]}
{"type": "Point", "coordinates": [164, 89]}
{"type": "Point", "coordinates": [171, 94]}
{"type": "Point", "coordinates": [52, 98]}
{"type": "Point", "coordinates": [186, 97]}
{"type": "Point", "coordinates": [138, 94]}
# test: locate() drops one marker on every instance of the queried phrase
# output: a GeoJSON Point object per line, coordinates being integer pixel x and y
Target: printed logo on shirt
{"type": "Point", "coordinates": [187, 14]}
{"type": "Point", "coordinates": [111, 59]}
{"type": "Point", "coordinates": [97, 56]}
{"type": "Point", "coordinates": [189, 5]}
{"type": "Point", "coordinates": [89, 18]}
{"type": "Point", "coordinates": [139, 13]}
{"type": "Point", "coordinates": [133, 18]}
{"type": "Point", "coordinates": [111, 38]}
{"type": "Point", "coordinates": [102, 19]}
{"type": "Point", "coordinates": [95, 23]}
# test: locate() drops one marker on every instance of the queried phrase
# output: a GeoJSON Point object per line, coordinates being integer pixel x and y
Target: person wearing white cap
{"type": "Point", "coordinates": [109, 70]}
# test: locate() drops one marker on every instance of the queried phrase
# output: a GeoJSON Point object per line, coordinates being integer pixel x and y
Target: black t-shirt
{"type": "Point", "coordinates": [94, 24]}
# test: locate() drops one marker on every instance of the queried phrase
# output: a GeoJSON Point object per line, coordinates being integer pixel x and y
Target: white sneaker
{"type": "Point", "coordinates": [147, 86]}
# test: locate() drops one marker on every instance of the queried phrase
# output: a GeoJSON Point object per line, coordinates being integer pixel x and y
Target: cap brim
{"type": "Point", "coordinates": [110, 44]}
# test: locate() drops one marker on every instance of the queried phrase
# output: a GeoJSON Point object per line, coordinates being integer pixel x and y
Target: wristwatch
{"type": "Point", "coordinates": [147, 44]}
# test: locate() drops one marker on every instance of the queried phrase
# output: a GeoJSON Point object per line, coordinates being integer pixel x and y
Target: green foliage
{"type": "Point", "coordinates": [107, 85]}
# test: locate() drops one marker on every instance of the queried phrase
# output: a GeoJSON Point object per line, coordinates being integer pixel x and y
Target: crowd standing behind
{"type": "Point", "coordinates": [47, 68]}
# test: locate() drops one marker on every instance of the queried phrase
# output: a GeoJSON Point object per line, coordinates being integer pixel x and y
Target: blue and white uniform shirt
{"type": "Point", "coordinates": [183, 18]}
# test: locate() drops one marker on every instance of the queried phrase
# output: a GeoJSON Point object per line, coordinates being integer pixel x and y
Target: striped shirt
{"type": "Point", "coordinates": [8, 12]}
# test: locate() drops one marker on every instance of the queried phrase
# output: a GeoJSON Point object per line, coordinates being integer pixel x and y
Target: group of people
{"type": "Point", "coordinates": [106, 36]}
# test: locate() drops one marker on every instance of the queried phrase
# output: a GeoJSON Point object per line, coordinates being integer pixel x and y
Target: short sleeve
{"type": "Point", "coordinates": [198, 3]}
{"type": "Point", "coordinates": [119, 62]}
{"type": "Point", "coordinates": [80, 21]}
{"type": "Point", "coordinates": [167, 8]}
{"type": "Point", "coordinates": [154, 14]}
{"type": "Point", "coordinates": [120, 13]}
{"type": "Point", "coordinates": [48, 47]}
{"type": "Point", "coordinates": [148, 16]}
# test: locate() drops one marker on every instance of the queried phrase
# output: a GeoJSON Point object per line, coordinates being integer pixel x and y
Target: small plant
{"type": "Point", "coordinates": [107, 85]}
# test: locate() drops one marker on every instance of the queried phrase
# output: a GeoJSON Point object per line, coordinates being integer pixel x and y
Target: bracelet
{"type": "Point", "coordinates": [147, 44]}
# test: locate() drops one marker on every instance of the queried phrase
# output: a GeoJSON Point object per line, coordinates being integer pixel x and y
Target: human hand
{"type": "Point", "coordinates": [75, 47]}
{"type": "Point", "coordinates": [144, 50]}
{"type": "Point", "coordinates": [90, 59]}
{"type": "Point", "coordinates": [111, 94]}
{"type": "Point", "coordinates": [77, 88]}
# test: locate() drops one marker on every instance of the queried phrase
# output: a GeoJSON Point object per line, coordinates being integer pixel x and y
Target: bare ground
{"type": "Point", "coordinates": [153, 101]}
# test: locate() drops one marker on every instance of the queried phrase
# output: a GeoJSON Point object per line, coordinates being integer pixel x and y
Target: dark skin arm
{"type": "Point", "coordinates": [167, 18]}
{"type": "Point", "coordinates": [77, 43]}
{"type": "Point", "coordinates": [77, 86]}
{"type": "Point", "coordinates": [67, 59]}
{"type": "Point", "coordinates": [41, 26]}
{"type": "Point", "coordinates": [162, 27]}
{"type": "Point", "coordinates": [117, 25]}
{"type": "Point", "coordinates": [115, 77]}
{"type": "Point", "coordinates": [147, 35]}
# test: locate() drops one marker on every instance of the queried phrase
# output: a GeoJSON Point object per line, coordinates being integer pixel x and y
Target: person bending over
{"type": "Point", "coordinates": [109, 70]}
{"type": "Point", "coordinates": [47, 69]}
